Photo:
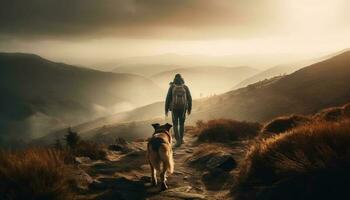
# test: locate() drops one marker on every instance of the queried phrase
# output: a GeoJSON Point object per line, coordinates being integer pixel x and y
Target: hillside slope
{"type": "Point", "coordinates": [39, 95]}
{"type": "Point", "coordinates": [320, 85]}
{"type": "Point", "coordinates": [205, 81]}
{"type": "Point", "coordinates": [284, 69]}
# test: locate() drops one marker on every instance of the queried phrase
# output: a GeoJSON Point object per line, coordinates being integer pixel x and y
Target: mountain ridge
{"type": "Point", "coordinates": [36, 89]}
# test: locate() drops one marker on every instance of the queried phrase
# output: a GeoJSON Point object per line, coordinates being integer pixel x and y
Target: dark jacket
{"type": "Point", "coordinates": [169, 96]}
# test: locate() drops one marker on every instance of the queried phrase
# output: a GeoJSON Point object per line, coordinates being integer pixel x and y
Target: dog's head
{"type": "Point", "coordinates": [161, 128]}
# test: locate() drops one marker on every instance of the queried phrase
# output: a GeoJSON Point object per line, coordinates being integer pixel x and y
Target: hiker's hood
{"type": "Point", "coordinates": [178, 80]}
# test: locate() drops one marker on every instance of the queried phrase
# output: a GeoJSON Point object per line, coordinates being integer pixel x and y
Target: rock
{"type": "Point", "coordinates": [81, 179]}
{"type": "Point", "coordinates": [120, 145]}
{"type": "Point", "coordinates": [183, 195]}
{"type": "Point", "coordinates": [189, 151]}
{"type": "Point", "coordinates": [224, 162]}
{"type": "Point", "coordinates": [116, 147]}
{"type": "Point", "coordinates": [83, 160]}
{"type": "Point", "coordinates": [121, 141]}
{"type": "Point", "coordinates": [98, 185]}
{"type": "Point", "coordinates": [146, 179]}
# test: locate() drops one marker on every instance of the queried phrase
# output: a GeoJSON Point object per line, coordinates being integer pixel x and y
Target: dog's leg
{"type": "Point", "coordinates": [154, 176]}
{"type": "Point", "coordinates": [163, 178]}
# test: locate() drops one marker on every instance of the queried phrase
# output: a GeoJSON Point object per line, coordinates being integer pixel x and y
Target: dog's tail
{"type": "Point", "coordinates": [166, 156]}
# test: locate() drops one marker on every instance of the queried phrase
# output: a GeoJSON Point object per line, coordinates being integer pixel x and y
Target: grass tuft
{"type": "Point", "coordinates": [226, 130]}
{"type": "Point", "coordinates": [308, 162]}
{"type": "Point", "coordinates": [285, 123]}
{"type": "Point", "coordinates": [33, 174]}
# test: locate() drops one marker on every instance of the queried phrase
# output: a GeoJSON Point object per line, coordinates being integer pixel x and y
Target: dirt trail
{"type": "Point", "coordinates": [127, 176]}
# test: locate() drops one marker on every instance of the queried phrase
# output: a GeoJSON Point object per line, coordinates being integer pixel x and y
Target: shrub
{"type": "Point", "coordinates": [309, 162]}
{"type": "Point", "coordinates": [346, 110]}
{"type": "Point", "coordinates": [226, 130]}
{"type": "Point", "coordinates": [330, 114]}
{"type": "Point", "coordinates": [91, 150]}
{"type": "Point", "coordinates": [34, 174]}
{"type": "Point", "coordinates": [285, 123]}
{"type": "Point", "coordinates": [200, 124]}
{"type": "Point", "coordinates": [72, 138]}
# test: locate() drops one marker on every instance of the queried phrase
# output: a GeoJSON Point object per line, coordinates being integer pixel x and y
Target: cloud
{"type": "Point", "coordinates": [133, 18]}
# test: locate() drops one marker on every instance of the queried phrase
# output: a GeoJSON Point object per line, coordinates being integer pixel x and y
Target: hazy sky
{"type": "Point", "coordinates": [97, 31]}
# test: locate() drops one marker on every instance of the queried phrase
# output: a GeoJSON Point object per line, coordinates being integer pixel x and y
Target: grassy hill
{"type": "Point", "coordinates": [320, 85]}
{"type": "Point", "coordinates": [284, 69]}
{"type": "Point", "coordinates": [39, 95]}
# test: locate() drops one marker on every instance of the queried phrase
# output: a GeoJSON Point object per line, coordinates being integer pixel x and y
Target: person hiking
{"type": "Point", "coordinates": [178, 101]}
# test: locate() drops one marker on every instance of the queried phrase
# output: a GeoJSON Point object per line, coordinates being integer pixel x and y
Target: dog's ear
{"type": "Point", "coordinates": [168, 126]}
{"type": "Point", "coordinates": [155, 126]}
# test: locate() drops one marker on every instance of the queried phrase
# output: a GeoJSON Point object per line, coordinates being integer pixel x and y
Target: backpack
{"type": "Point", "coordinates": [179, 95]}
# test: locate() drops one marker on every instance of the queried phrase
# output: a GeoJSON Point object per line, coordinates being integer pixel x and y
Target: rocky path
{"type": "Point", "coordinates": [126, 176]}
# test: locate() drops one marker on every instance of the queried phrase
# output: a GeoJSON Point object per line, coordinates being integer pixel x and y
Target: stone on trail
{"type": "Point", "coordinates": [224, 162]}
{"type": "Point", "coordinates": [83, 160]}
{"type": "Point", "coordinates": [98, 185]}
{"type": "Point", "coordinates": [182, 193]}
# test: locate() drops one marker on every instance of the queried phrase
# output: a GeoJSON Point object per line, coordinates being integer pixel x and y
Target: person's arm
{"type": "Point", "coordinates": [189, 100]}
{"type": "Point", "coordinates": [168, 100]}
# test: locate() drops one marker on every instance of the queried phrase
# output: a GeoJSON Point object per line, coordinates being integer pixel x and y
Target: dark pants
{"type": "Point", "coordinates": [179, 117]}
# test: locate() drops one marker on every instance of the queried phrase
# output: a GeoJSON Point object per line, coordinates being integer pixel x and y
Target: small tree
{"type": "Point", "coordinates": [72, 138]}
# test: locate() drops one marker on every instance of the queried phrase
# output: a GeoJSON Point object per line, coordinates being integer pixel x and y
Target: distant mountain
{"type": "Point", "coordinates": [283, 70]}
{"type": "Point", "coordinates": [147, 70]}
{"type": "Point", "coordinates": [150, 65]}
{"type": "Point", "coordinates": [205, 81]}
{"type": "Point", "coordinates": [38, 95]}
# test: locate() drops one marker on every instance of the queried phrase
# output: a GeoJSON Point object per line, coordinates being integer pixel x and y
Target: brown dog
{"type": "Point", "coordinates": [159, 152]}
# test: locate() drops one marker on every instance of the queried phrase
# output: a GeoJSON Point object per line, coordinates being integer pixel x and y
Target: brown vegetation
{"type": "Point", "coordinates": [90, 149]}
{"type": "Point", "coordinates": [330, 114]}
{"type": "Point", "coordinates": [308, 162]}
{"type": "Point", "coordinates": [226, 130]}
{"type": "Point", "coordinates": [285, 123]}
{"type": "Point", "coordinates": [346, 110]}
{"type": "Point", "coordinates": [33, 174]}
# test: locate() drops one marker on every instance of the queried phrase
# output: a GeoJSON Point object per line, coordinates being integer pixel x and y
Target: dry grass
{"type": "Point", "coordinates": [330, 114]}
{"type": "Point", "coordinates": [38, 174]}
{"type": "Point", "coordinates": [309, 162]}
{"type": "Point", "coordinates": [346, 110]}
{"type": "Point", "coordinates": [226, 130]}
{"type": "Point", "coordinates": [91, 150]}
{"type": "Point", "coordinates": [285, 123]}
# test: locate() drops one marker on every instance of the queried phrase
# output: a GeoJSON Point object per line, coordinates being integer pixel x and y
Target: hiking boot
{"type": "Point", "coordinates": [177, 144]}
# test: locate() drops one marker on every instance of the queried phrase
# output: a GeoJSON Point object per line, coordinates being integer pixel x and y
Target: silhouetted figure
{"type": "Point", "coordinates": [178, 101]}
